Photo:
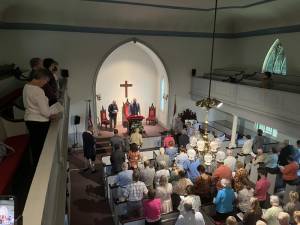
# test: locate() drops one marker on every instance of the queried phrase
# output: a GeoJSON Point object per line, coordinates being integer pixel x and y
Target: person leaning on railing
{"type": "Point", "coordinates": [37, 111]}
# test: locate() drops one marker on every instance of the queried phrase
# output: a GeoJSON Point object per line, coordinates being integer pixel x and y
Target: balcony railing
{"type": "Point", "coordinates": [46, 200]}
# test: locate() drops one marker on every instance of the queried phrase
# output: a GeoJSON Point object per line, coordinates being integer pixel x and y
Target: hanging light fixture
{"type": "Point", "coordinates": [205, 147]}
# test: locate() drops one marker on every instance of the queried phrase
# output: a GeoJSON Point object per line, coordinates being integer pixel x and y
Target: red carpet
{"type": "Point", "coordinates": [88, 205]}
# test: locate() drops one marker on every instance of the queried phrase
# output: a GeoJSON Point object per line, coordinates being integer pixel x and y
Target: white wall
{"type": "Point", "coordinates": [83, 53]}
{"type": "Point", "coordinates": [128, 62]}
{"type": "Point", "coordinates": [253, 50]}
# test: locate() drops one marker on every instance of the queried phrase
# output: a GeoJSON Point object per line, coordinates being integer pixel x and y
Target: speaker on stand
{"type": "Point", "coordinates": [75, 121]}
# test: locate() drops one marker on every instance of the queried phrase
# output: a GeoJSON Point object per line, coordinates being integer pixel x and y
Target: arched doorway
{"type": "Point", "coordinates": [141, 67]}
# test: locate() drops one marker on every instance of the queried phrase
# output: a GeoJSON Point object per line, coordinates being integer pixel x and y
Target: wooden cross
{"type": "Point", "coordinates": [126, 85]}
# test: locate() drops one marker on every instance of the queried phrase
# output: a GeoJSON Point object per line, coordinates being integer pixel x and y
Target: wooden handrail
{"type": "Point", "coordinates": [45, 204]}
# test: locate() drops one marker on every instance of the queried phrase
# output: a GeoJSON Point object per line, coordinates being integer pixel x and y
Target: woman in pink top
{"type": "Point", "coordinates": [152, 209]}
{"type": "Point", "coordinates": [262, 186]}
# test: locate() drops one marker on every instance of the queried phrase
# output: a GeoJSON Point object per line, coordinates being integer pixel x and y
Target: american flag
{"type": "Point", "coordinates": [89, 116]}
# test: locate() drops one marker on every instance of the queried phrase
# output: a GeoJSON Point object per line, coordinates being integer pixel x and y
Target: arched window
{"type": "Point", "coordinates": [162, 94]}
{"type": "Point", "coordinates": [275, 61]}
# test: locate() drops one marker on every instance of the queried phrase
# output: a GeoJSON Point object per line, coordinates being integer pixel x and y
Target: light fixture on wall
{"type": "Point", "coordinates": [165, 97]}
{"type": "Point", "coordinates": [205, 147]}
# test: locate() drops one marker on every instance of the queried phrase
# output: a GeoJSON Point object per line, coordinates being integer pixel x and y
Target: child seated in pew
{"type": "Point", "coordinates": [152, 208]}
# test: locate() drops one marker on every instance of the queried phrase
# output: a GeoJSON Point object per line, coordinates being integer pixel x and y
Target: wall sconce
{"type": "Point", "coordinates": [98, 97]}
{"type": "Point", "coordinates": [165, 97]}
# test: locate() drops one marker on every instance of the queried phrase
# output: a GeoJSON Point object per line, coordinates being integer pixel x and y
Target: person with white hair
{"type": "Point", "coordinates": [147, 174]}
{"type": "Point", "coordinates": [247, 147]}
{"type": "Point", "coordinates": [271, 215]}
{"type": "Point", "coordinates": [188, 216]}
{"type": "Point", "coordinates": [284, 218]}
{"type": "Point", "coordinates": [191, 165]}
{"type": "Point", "coordinates": [123, 179]}
{"type": "Point", "coordinates": [230, 161]}
{"type": "Point", "coordinates": [161, 157]}
{"type": "Point", "coordinates": [164, 191]}
{"type": "Point", "coordinates": [224, 200]}
{"type": "Point", "coordinates": [163, 171]}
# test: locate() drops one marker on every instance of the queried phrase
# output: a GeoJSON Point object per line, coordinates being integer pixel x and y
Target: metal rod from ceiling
{"type": "Point", "coordinates": [212, 47]}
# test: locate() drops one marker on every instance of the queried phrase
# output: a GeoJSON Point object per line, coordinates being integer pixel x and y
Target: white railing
{"type": "Point", "coordinates": [46, 200]}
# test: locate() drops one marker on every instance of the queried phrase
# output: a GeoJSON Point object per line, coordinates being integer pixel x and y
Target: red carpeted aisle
{"type": "Point", "coordinates": [88, 205]}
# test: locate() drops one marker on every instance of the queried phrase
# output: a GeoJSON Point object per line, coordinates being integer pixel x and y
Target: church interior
{"type": "Point", "coordinates": [141, 112]}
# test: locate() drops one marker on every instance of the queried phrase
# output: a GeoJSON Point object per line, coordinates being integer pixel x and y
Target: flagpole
{"type": "Point", "coordinates": [174, 112]}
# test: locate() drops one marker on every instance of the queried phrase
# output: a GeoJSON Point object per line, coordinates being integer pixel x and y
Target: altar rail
{"type": "Point", "coordinates": [46, 200]}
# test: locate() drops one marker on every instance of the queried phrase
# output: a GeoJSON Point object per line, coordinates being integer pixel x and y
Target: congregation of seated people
{"type": "Point", "coordinates": [178, 180]}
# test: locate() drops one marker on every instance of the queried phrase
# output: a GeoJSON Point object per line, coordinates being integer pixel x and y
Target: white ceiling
{"type": "Point", "coordinates": [99, 14]}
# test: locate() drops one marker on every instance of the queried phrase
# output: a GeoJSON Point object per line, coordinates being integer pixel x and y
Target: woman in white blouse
{"type": "Point", "coordinates": [164, 191]}
{"type": "Point", "coordinates": [37, 111]}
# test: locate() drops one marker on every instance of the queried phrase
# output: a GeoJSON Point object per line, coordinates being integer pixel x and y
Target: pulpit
{"type": "Point", "coordinates": [152, 115]}
{"type": "Point", "coordinates": [103, 118]}
{"type": "Point", "coordinates": [125, 113]}
{"type": "Point", "coordinates": [135, 121]}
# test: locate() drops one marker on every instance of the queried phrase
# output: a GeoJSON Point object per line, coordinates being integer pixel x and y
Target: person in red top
{"type": "Point", "coordinates": [152, 209]}
{"type": "Point", "coordinates": [222, 172]}
{"type": "Point", "coordinates": [289, 172]}
{"type": "Point", "coordinates": [262, 186]}
{"type": "Point", "coordinates": [167, 141]}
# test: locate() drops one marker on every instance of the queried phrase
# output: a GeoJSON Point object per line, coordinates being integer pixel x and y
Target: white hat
{"type": "Point", "coordinates": [193, 141]}
{"type": "Point", "coordinates": [220, 156]}
{"type": "Point", "coordinates": [191, 154]}
{"type": "Point", "coordinates": [208, 159]}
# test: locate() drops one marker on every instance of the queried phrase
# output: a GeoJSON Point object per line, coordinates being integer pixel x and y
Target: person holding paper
{"type": "Point", "coordinates": [37, 111]}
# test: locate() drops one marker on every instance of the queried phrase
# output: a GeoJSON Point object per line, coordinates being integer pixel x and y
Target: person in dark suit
{"type": "Point", "coordinates": [51, 88]}
{"type": "Point", "coordinates": [183, 139]}
{"type": "Point", "coordinates": [117, 140]}
{"type": "Point", "coordinates": [117, 158]}
{"type": "Point", "coordinates": [135, 108]}
{"type": "Point", "coordinates": [113, 112]}
{"type": "Point", "coordinates": [89, 149]}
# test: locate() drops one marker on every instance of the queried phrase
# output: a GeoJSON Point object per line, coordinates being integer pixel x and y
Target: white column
{"type": "Point", "coordinates": [233, 133]}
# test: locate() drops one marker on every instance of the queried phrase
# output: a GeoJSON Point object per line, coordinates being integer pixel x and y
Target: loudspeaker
{"type": "Point", "coordinates": [76, 120]}
{"type": "Point", "coordinates": [64, 73]}
{"type": "Point", "coordinates": [194, 72]}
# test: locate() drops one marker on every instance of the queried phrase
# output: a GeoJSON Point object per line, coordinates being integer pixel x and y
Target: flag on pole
{"type": "Point", "coordinates": [89, 121]}
{"type": "Point", "coordinates": [175, 107]}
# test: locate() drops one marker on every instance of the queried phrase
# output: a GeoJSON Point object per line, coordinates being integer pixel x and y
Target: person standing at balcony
{"type": "Point", "coordinates": [37, 111]}
{"type": "Point", "coordinates": [89, 149]}
{"type": "Point", "coordinates": [259, 140]}
{"type": "Point", "coordinates": [51, 88]}
{"type": "Point", "coordinates": [113, 112]}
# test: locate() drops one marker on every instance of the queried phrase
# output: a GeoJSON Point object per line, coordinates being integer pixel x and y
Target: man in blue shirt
{"type": "Point", "coordinates": [123, 179]}
{"type": "Point", "coordinates": [172, 152]}
{"type": "Point", "coordinates": [224, 200]}
{"type": "Point", "coordinates": [191, 165]}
